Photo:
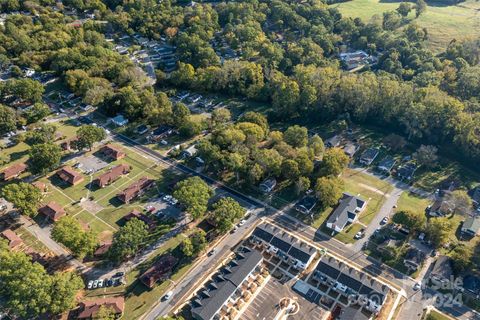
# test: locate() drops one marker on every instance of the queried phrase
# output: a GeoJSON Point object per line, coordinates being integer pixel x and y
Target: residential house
{"type": "Point", "coordinates": [102, 249]}
{"type": "Point", "coordinates": [406, 171]}
{"type": "Point", "coordinates": [368, 156]}
{"type": "Point", "coordinates": [52, 210]}
{"type": "Point", "coordinates": [70, 176]}
{"type": "Point", "coordinates": [350, 149]}
{"type": "Point", "coordinates": [189, 152]}
{"type": "Point", "coordinates": [112, 175]}
{"type": "Point", "coordinates": [268, 185]}
{"type": "Point", "coordinates": [287, 247]}
{"type": "Point", "coordinates": [119, 120]}
{"type": "Point", "coordinates": [476, 196]}
{"type": "Point", "coordinates": [12, 238]}
{"type": "Point", "coordinates": [442, 272]}
{"type": "Point", "coordinates": [151, 223]}
{"type": "Point", "coordinates": [40, 186]}
{"type": "Point", "coordinates": [136, 189]}
{"type": "Point", "coordinates": [471, 284]}
{"type": "Point", "coordinates": [346, 212]}
{"type": "Point", "coordinates": [160, 271]}
{"type": "Point", "coordinates": [142, 129]}
{"type": "Point", "coordinates": [356, 59]}
{"type": "Point", "coordinates": [13, 171]}
{"type": "Point", "coordinates": [333, 141]}
{"type": "Point", "coordinates": [306, 204]}
{"type": "Point", "coordinates": [387, 164]}
{"type": "Point", "coordinates": [471, 226]}
{"type": "Point", "coordinates": [440, 208]}
{"type": "Point", "coordinates": [89, 309]}
{"type": "Point", "coordinates": [112, 152]}
{"type": "Point", "coordinates": [414, 258]}
{"type": "Point", "coordinates": [228, 290]}
{"type": "Point", "coordinates": [68, 144]}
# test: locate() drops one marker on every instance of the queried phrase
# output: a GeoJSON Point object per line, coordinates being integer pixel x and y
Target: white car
{"type": "Point", "coordinates": [242, 222]}
{"type": "Point", "coordinates": [168, 295]}
{"type": "Point", "coordinates": [167, 198]}
{"type": "Point", "coordinates": [90, 284]}
{"type": "Point", "coordinates": [417, 285]}
{"type": "Point", "coordinates": [95, 284]}
{"type": "Point", "coordinates": [100, 283]}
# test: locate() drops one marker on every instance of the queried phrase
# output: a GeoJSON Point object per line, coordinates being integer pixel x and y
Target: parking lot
{"type": "Point", "coordinates": [90, 164]}
{"type": "Point", "coordinates": [265, 304]}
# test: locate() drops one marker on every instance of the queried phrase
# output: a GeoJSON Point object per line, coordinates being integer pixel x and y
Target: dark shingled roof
{"type": "Point", "coordinates": [211, 300]}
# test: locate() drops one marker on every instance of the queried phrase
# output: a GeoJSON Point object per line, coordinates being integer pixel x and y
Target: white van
{"type": "Point", "coordinates": [168, 295]}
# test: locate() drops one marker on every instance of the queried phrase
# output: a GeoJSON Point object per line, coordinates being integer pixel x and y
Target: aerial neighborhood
{"type": "Point", "coordinates": [225, 160]}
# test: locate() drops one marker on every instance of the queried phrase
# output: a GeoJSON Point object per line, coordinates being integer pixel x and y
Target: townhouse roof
{"type": "Point", "coordinates": [112, 175]}
{"type": "Point", "coordinates": [160, 269]}
{"type": "Point", "coordinates": [219, 292]}
{"type": "Point", "coordinates": [471, 224]}
{"type": "Point", "coordinates": [52, 210]}
{"type": "Point", "coordinates": [69, 175]}
{"type": "Point", "coordinates": [112, 151]}
{"type": "Point", "coordinates": [135, 188]}
{"type": "Point", "coordinates": [285, 242]}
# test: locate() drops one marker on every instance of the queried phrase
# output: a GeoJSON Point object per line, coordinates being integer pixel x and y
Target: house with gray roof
{"type": "Point", "coordinates": [387, 164]}
{"type": "Point", "coordinates": [471, 226]}
{"type": "Point", "coordinates": [347, 211]}
{"type": "Point", "coordinates": [368, 156]}
{"type": "Point", "coordinates": [442, 271]}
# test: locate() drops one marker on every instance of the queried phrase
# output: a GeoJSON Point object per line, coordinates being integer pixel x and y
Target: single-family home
{"type": "Point", "coordinates": [471, 226]}
{"type": "Point", "coordinates": [442, 271]}
{"type": "Point", "coordinates": [70, 176]}
{"type": "Point", "coordinates": [346, 212]}
{"type": "Point", "coordinates": [13, 171]}
{"type": "Point", "coordinates": [52, 210]}
{"type": "Point", "coordinates": [142, 129]}
{"type": "Point", "coordinates": [368, 156]}
{"type": "Point", "coordinates": [350, 149]}
{"type": "Point", "coordinates": [119, 120]}
{"type": "Point", "coordinates": [440, 208]}
{"type": "Point", "coordinates": [387, 164]}
{"type": "Point", "coordinates": [136, 189]}
{"type": "Point", "coordinates": [112, 152]}
{"type": "Point", "coordinates": [476, 196]}
{"type": "Point", "coordinates": [414, 258]}
{"type": "Point", "coordinates": [306, 204]}
{"type": "Point", "coordinates": [112, 175]}
{"type": "Point", "coordinates": [333, 141]}
{"type": "Point", "coordinates": [471, 284]}
{"type": "Point", "coordinates": [268, 185]}
{"type": "Point", "coordinates": [102, 249]}
{"type": "Point", "coordinates": [160, 271]}
{"type": "Point", "coordinates": [12, 238]}
{"type": "Point", "coordinates": [406, 171]}
{"type": "Point", "coordinates": [89, 309]}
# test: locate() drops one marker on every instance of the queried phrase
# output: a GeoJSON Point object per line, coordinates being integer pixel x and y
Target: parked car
{"type": "Point", "coordinates": [119, 274]}
{"type": "Point", "coordinates": [242, 222]}
{"type": "Point", "coordinates": [95, 284]}
{"type": "Point", "coordinates": [360, 234]}
{"type": "Point", "coordinates": [384, 221]}
{"type": "Point", "coordinates": [212, 252]}
{"type": "Point", "coordinates": [100, 283]}
{"type": "Point", "coordinates": [90, 284]}
{"type": "Point", "coordinates": [417, 285]}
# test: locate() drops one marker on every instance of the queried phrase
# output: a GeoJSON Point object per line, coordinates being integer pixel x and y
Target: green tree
{"type": "Point", "coordinates": [69, 232]}
{"type": "Point", "coordinates": [24, 196]}
{"type": "Point", "coordinates": [404, 9]}
{"type": "Point", "coordinates": [426, 156]}
{"type": "Point", "coordinates": [290, 169]}
{"type": "Point", "coordinates": [193, 194]}
{"type": "Point", "coordinates": [184, 76]}
{"type": "Point", "coordinates": [420, 8]}
{"type": "Point", "coordinates": [302, 184]}
{"type": "Point", "coordinates": [105, 313]}
{"type": "Point", "coordinates": [413, 220]}
{"type": "Point", "coordinates": [128, 240]}
{"type": "Point", "coordinates": [87, 135]}
{"type": "Point", "coordinates": [334, 162]}
{"type": "Point", "coordinates": [187, 247]}
{"type": "Point", "coordinates": [220, 117]}
{"type": "Point", "coordinates": [225, 212]}
{"type": "Point", "coordinates": [36, 113]}
{"type": "Point", "coordinates": [257, 118]}
{"type": "Point", "coordinates": [194, 244]}
{"type": "Point", "coordinates": [44, 133]}
{"type": "Point", "coordinates": [439, 230]}
{"type": "Point", "coordinates": [459, 202]}
{"type": "Point", "coordinates": [65, 286]}
{"type": "Point", "coordinates": [316, 144]}
{"type": "Point", "coordinates": [181, 114]}
{"type": "Point", "coordinates": [329, 190]}
{"type": "Point", "coordinates": [296, 136]}
{"type": "Point", "coordinates": [462, 258]}
{"type": "Point", "coordinates": [44, 157]}
{"type": "Point", "coordinates": [8, 119]}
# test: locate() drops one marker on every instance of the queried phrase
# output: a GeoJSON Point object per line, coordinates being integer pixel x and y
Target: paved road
{"type": "Point", "coordinates": [416, 300]}
{"type": "Point", "coordinates": [204, 266]}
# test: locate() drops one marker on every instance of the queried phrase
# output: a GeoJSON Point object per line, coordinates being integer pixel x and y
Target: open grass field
{"type": "Point", "coordinates": [443, 23]}
{"type": "Point", "coordinates": [411, 202]}
{"type": "Point", "coordinates": [435, 315]}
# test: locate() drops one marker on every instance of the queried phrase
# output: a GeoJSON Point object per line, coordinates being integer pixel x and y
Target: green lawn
{"type": "Point", "coordinates": [411, 202]}
{"type": "Point", "coordinates": [369, 188]}
{"type": "Point", "coordinates": [435, 315]}
{"type": "Point", "coordinates": [444, 23]}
